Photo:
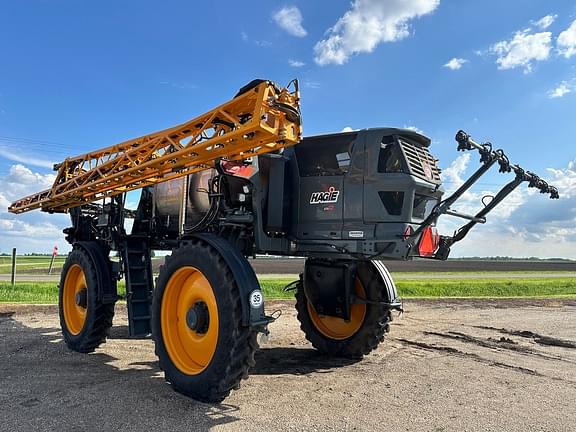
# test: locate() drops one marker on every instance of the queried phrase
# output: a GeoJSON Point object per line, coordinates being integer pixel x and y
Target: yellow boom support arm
{"type": "Point", "coordinates": [263, 118]}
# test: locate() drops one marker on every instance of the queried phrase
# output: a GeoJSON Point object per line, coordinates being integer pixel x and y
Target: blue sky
{"type": "Point", "coordinates": [76, 75]}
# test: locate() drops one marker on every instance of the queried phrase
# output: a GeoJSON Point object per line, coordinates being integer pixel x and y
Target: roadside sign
{"type": "Point", "coordinates": [54, 254]}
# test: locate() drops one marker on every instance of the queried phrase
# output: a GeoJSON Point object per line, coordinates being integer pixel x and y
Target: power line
{"type": "Point", "coordinates": [32, 140]}
{"type": "Point", "coordinates": [44, 147]}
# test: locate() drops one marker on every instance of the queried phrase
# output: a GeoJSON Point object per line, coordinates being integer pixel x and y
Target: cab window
{"type": "Point", "coordinates": [390, 156]}
{"type": "Point", "coordinates": [325, 156]}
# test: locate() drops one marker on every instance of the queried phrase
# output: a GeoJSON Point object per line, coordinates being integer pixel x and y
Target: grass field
{"type": "Point", "coordinates": [30, 264]}
{"type": "Point", "coordinates": [40, 264]}
{"type": "Point", "coordinates": [47, 292]}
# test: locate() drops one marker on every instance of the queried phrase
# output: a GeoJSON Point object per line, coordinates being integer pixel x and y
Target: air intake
{"type": "Point", "coordinates": [421, 163]}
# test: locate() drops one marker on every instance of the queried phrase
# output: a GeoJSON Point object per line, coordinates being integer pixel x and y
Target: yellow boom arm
{"type": "Point", "coordinates": [261, 119]}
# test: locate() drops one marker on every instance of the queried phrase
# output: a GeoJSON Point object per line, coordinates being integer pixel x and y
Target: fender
{"type": "Point", "coordinates": [393, 299]}
{"type": "Point", "coordinates": [244, 276]}
{"type": "Point", "coordinates": [107, 290]}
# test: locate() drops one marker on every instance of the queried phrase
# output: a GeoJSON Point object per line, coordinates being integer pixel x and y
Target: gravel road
{"type": "Point", "coordinates": [398, 276]}
{"type": "Point", "coordinates": [446, 366]}
{"type": "Point", "coordinates": [293, 266]}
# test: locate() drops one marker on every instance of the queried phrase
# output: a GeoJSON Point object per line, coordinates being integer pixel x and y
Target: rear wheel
{"type": "Point", "coordinates": [84, 319]}
{"type": "Point", "coordinates": [202, 346]}
{"type": "Point", "coordinates": [367, 325]}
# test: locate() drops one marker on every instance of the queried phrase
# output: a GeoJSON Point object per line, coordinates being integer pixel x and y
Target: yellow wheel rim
{"type": "Point", "coordinates": [74, 299]}
{"type": "Point", "coordinates": [337, 328]}
{"type": "Point", "coordinates": [191, 351]}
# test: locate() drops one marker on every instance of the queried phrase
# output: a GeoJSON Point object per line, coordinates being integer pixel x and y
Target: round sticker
{"type": "Point", "coordinates": [256, 299]}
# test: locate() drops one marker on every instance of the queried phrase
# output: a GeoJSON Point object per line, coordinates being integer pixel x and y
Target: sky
{"type": "Point", "coordinates": [77, 75]}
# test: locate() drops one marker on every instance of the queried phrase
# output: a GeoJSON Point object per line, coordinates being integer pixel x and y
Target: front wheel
{"type": "Point", "coordinates": [202, 346]}
{"type": "Point", "coordinates": [366, 327]}
{"type": "Point", "coordinates": [84, 319]}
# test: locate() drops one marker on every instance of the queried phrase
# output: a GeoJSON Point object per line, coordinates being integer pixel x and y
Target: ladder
{"type": "Point", "coordinates": [139, 284]}
{"type": "Point", "coordinates": [261, 118]}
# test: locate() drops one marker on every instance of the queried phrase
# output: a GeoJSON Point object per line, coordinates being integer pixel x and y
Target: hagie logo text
{"type": "Point", "coordinates": [325, 197]}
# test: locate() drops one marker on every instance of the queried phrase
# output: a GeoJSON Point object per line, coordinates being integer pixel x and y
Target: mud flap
{"type": "Point", "coordinates": [105, 273]}
{"type": "Point", "coordinates": [386, 277]}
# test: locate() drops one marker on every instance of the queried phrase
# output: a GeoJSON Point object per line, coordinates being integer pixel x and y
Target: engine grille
{"type": "Point", "coordinates": [421, 163]}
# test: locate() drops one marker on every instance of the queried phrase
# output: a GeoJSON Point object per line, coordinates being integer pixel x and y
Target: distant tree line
{"type": "Point", "coordinates": [28, 254]}
{"type": "Point", "coordinates": [494, 258]}
{"type": "Point", "coordinates": [507, 258]}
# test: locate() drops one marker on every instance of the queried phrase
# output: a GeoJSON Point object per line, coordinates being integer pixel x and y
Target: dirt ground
{"type": "Point", "coordinates": [445, 366]}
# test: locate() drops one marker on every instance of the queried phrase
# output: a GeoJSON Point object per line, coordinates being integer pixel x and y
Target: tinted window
{"type": "Point", "coordinates": [393, 201]}
{"type": "Point", "coordinates": [423, 206]}
{"type": "Point", "coordinates": [390, 156]}
{"type": "Point", "coordinates": [325, 156]}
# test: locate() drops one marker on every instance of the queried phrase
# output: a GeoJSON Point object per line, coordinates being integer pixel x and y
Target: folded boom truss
{"type": "Point", "coordinates": [261, 119]}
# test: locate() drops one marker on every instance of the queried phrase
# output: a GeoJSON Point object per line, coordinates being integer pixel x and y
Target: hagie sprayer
{"type": "Point", "coordinates": [238, 181]}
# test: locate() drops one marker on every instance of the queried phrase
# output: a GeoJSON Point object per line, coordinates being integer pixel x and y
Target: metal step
{"type": "Point", "coordinates": [139, 285]}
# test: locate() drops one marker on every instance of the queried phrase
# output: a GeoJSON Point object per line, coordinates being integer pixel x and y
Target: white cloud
{"type": "Point", "coordinates": [471, 201]}
{"type": "Point", "coordinates": [18, 228]}
{"type": "Point", "coordinates": [4, 203]}
{"type": "Point", "coordinates": [484, 241]}
{"type": "Point", "coordinates": [566, 41]}
{"type": "Point", "coordinates": [522, 50]}
{"type": "Point", "coordinates": [181, 85]}
{"type": "Point", "coordinates": [456, 63]}
{"type": "Point", "coordinates": [561, 90]}
{"type": "Point", "coordinates": [34, 234]}
{"type": "Point", "coordinates": [296, 63]}
{"type": "Point", "coordinates": [262, 43]}
{"type": "Point", "coordinates": [453, 174]}
{"type": "Point", "coordinates": [18, 156]}
{"type": "Point", "coordinates": [289, 19]}
{"type": "Point", "coordinates": [415, 129]}
{"type": "Point", "coordinates": [553, 222]}
{"type": "Point", "coordinates": [311, 84]}
{"type": "Point", "coordinates": [367, 24]}
{"type": "Point", "coordinates": [21, 179]}
{"type": "Point", "coordinates": [347, 129]}
{"type": "Point", "coordinates": [565, 180]}
{"type": "Point", "coordinates": [545, 22]}
{"type": "Point", "coordinates": [259, 43]}
{"type": "Point", "coordinates": [34, 231]}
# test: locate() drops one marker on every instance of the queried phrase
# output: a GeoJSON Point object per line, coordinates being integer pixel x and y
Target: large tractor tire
{"type": "Point", "coordinates": [367, 325]}
{"type": "Point", "coordinates": [84, 319]}
{"type": "Point", "coordinates": [202, 346]}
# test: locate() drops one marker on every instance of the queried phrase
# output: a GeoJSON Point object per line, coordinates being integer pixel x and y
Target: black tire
{"type": "Point", "coordinates": [372, 330]}
{"type": "Point", "coordinates": [236, 344]}
{"type": "Point", "coordinates": [98, 319]}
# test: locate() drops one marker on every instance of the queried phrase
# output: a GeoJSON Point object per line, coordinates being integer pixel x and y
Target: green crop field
{"type": "Point", "coordinates": [501, 287]}
{"type": "Point", "coordinates": [47, 292]}
{"type": "Point", "coordinates": [31, 264]}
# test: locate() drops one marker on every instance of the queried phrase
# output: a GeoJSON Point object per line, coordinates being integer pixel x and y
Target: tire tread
{"type": "Point", "coordinates": [99, 320]}
{"type": "Point", "coordinates": [367, 338]}
{"type": "Point", "coordinates": [243, 345]}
